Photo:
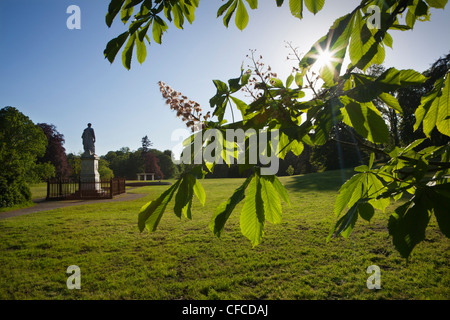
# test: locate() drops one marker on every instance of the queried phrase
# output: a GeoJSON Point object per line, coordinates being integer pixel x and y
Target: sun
{"type": "Point", "coordinates": [324, 58]}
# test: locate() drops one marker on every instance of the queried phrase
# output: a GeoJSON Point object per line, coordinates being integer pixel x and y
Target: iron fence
{"type": "Point", "coordinates": [67, 189]}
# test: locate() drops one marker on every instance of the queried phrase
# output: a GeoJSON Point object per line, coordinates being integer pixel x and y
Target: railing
{"type": "Point", "coordinates": [67, 189]}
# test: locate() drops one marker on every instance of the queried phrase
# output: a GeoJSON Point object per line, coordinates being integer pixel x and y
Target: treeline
{"type": "Point", "coordinates": [126, 163]}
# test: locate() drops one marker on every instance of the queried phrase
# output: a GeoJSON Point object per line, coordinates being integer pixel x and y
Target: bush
{"type": "Point", "coordinates": [13, 192]}
{"type": "Point", "coordinates": [290, 170]}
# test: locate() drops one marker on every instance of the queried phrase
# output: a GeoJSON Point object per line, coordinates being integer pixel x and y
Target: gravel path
{"type": "Point", "coordinates": [43, 205]}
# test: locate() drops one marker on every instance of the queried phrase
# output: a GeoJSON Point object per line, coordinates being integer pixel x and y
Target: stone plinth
{"type": "Point", "coordinates": [89, 176]}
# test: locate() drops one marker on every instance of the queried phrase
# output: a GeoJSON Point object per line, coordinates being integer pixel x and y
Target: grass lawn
{"type": "Point", "coordinates": [184, 260]}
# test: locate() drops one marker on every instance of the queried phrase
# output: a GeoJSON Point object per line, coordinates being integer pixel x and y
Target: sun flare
{"type": "Point", "coordinates": [324, 58]}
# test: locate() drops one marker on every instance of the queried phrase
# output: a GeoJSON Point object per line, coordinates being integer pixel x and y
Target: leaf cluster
{"type": "Point", "coordinates": [346, 96]}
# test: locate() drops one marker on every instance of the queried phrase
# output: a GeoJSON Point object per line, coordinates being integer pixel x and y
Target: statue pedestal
{"type": "Point", "coordinates": [89, 176]}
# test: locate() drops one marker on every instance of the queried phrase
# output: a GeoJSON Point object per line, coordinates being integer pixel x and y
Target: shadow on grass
{"type": "Point", "coordinates": [321, 181]}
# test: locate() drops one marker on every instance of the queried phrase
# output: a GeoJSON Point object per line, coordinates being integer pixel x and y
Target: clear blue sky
{"type": "Point", "coordinates": [59, 76]}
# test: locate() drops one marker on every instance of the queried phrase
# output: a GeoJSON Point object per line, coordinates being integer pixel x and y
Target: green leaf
{"type": "Point", "coordinates": [183, 199]}
{"type": "Point", "coordinates": [271, 199]}
{"type": "Point", "coordinates": [371, 160]}
{"type": "Point", "coordinates": [229, 14]}
{"type": "Point", "coordinates": [151, 213]}
{"type": "Point", "coordinates": [224, 7]}
{"type": "Point", "coordinates": [241, 105]}
{"type": "Point", "coordinates": [378, 131]}
{"type": "Point", "coordinates": [364, 49]}
{"type": "Point", "coordinates": [143, 32]}
{"type": "Point", "coordinates": [234, 84]}
{"type": "Point", "coordinates": [133, 3]}
{"type": "Point", "coordinates": [157, 32]}
{"type": "Point", "coordinates": [314, 5]}
{"type": "Point", "coordinates": [366, 120]}
{"type": "Point", "coordinates": [350, 192]}
{"type": "Point", "coordinates": [141, 50]}
{"type": "Point", "coordinates": [411, 146]}
{"type": "Point", "coordinates": [253, 3]}
{"type": "Point", "coordinates": [241, 16]}
{"type": "Point", "coordinates": [113, 9]}
{"type": "Point", "coordinates": [178, 17]}
{"type": "Point", "coordinates": [289, 80]}
{"type": "Point", "coordinates": [441, 208]}
{"type": "Point", "coordinates": [346, 223]}
{"type": "Point", "coordinates": [245, 77]}
{"type": "Point", "coordinates": [188, 11]}
{"type": "Point", "coordinates": [434, 110]}
{"type": "Point", "coordinates": [277, 83]}
{"type": "Point", "coordinates": [127, 53]}
{"type": "Point", "coordinates": [221, 87]}
{"type": "Point", "coordinates": [443, 120]}
{"type": "Point", "coordinates": [366, 211]}
{"type": "Point", "coordinates": [136, 24]}
{"type": "Point", "coordinates": [402, 78]}
{"type": "Point", "coordinates": [126, 11]}
{"type": "Point", "coordinates": [299, 79]}
{"type": "Point", "coordinates": [199, 192]}
{"type": "Point", "coordinates": [366, 89]}
{"type": "Point", "coordinates": [280, 3]}
{"type": "Point", "coordinates": [224, 210]}
{"type": "Point", "coordinates": [296, 7]}
{"type": "Point", "coordinates": [113, 46]}
{"type": "Point", "coordinates": [375, 188]}
{"type": "Point", "coordinates": [388, 40]}
{"type": "Point", "coordinates": [159, 27]}
{"type": "Point", "coordinates": [439, 4]}
{"type": "Point", "coordinates": [391, 102]}
{"type": "Point", "coordinates": [281, 190]}
{"type": "Point", "coordinates": [252, 217]}
{"type": "Point", "coordinates": [362, 168]}
{"type": "Point", "coordinates": [408, 223]}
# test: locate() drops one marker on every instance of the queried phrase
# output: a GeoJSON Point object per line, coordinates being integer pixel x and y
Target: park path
{"type": "Point", "coordinates": [43, 205]}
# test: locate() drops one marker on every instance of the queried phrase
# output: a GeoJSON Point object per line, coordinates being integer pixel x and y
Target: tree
{"type": "Point", "coordinates": [340, 151]}
{"type": "Point", "coordinates": [21, 143]}
{"type": "Point", "coordinates": [152, 165]}
{"type": "Point", "coordinates": [168, 168]}
{"type": "Point", "coordinates": [146, 144]}
{"type": "Point", "coordinates": [125, 163]}
{"type": "Point", "coordinates": [410, 99]}
{"type": "Point", "coordinates": [104, 170]}
{"type": "Point", "coordinates": [345, 95]}
{"type": "Point", "coordinates": [74, 162]}
{"type": "Point", "coordinates": [290, 170]}
{"type": "Point", "coordinates": [55, 153]}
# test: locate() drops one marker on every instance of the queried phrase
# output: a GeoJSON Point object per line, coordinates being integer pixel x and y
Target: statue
{"type": "Point", "coordinates": [88, 141]}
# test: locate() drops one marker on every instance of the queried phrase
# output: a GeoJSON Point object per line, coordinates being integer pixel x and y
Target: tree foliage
{"type": "Point", "coordinates": [126, 163]}
{"type": "Point", "coordinates": [21, 143]}
{"type": "Point", "coordinates": [346, 96]}
{"type": "Point", "coordinates": [55, 153]}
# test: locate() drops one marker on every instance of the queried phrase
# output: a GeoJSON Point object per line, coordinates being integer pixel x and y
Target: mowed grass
{"type": "Point", "coordinates": [184, 260]}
